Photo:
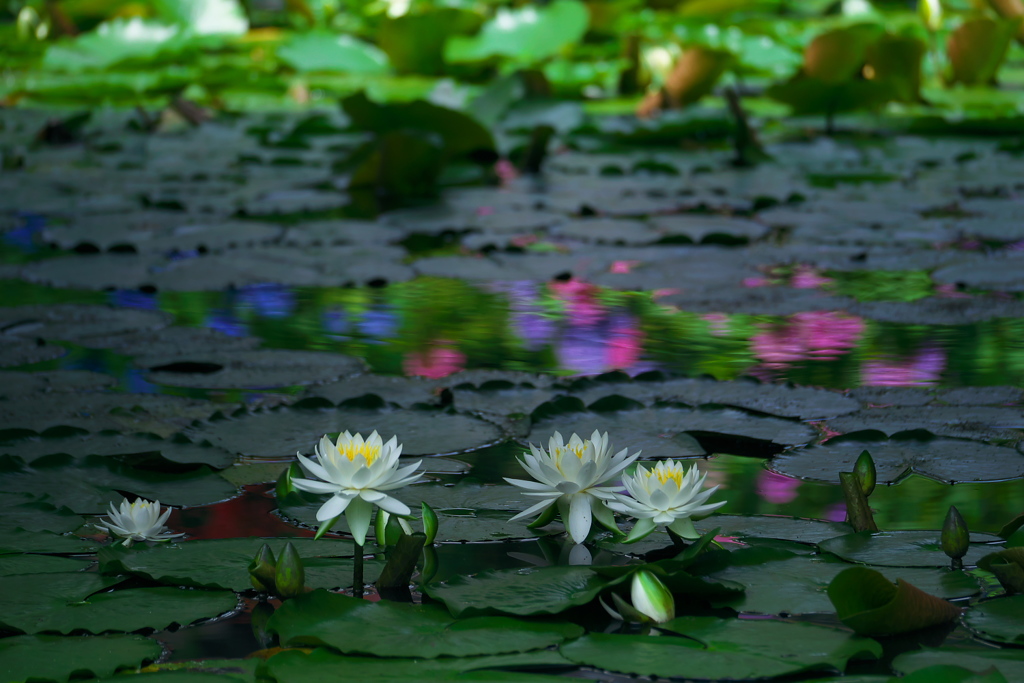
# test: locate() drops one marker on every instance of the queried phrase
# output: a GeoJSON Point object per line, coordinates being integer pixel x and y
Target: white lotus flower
{"type": "Point", "coordinates": [357, 472]}
{"type": "Point", "coordinates": [665, 495]}
{"type": "Point", "coordinates": [572, 476]}
{"type": "Point", "coordinates": [138, 521]}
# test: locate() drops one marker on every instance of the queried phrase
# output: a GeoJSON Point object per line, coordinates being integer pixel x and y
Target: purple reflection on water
{"type": "Point", "coordinates": [135, 382]}
{"type": "Point", "coordinates": [613, 344]}
{"type": "Point", "coordinates": [527, 317]}
{"type": "Point", "coordinates": [379, 324]}
{"type": "Point", "coordinates": [267, 299]}
{"type": "Point", "coordinates": [133, 298]}
{"type": "Point", "coordinates": [922, 369]}
{"type": "Point", "coordinates": [776, 488]}
{"type": "Point", "coordinates": [337, 321]}
{"type": "Point", "coordinates": [23, 236]}
{"type": "Point", "coordinates": [226, 322]}
{"type": "Point", "coordinates": [836, 513]}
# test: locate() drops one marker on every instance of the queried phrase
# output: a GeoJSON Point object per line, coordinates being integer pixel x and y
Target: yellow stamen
{"type": "Point", "coordinates": [368, 452]}
{"type": "Point", "coordinates": [664, 471]}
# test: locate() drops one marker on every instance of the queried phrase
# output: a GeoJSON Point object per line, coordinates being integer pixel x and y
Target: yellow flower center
{"type": "Point", "coordinates": [369, 452]}
{"type": "Point", "coordinates": [665, 470]}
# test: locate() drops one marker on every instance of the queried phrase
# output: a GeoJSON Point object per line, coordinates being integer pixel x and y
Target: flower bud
{"type": "Point", "coordinates": [651, 597]}
{"type": "Point", "coordinates": [930, 12]}
{"type": "Point", "coordinates": [261, 569]}
{"type": "Point", "coordinates": [290, 576]}
{"type": "Point", "coordinates": [430, 523]}
{"type": "Point", "coordinates": [865, 471]}
{"type": "Point", "coordinates": [955, 536]}
{"type": "Point", "coordinates": [380, 527]}
{"type": "Point", "coordinates": [285, 487]}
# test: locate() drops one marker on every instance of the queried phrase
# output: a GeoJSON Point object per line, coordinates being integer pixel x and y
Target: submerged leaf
{"type": "Point", "coordinates": [868, 603]}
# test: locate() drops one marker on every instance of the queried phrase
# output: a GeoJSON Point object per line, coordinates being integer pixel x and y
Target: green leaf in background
{"type": "Point", "coordinates": [57, 658]}
{"type": "Point", "coordinates": [205, 17]}
{"type": "Point", "coordinates": [222, 563]}
{"type": "Point", "coordinates": [1008, 566]}
{"type": "Point", "coordinates": [527, 34]}
{"type": "Point", "coordinates": [900, 548]}
{"type": "Point", "coordinates": [545, 590]}
{"type": "Point", "coordinates": [23, 511]}
{"type": "Point", "coordinates": [948, 673]}
{"type": "Point", "coordinates": [870, 604]}
{"type": "Point", "coordinates": [323, 666]}
{"type": "Point", "coordinates": [69, 602]}
{"type": "Point", "coordinates": [977, 48]}
{"type": "Point", "coordinates": [118, 41]}
{"type": "Point", "coordinates": [362, 627]}
{"type": "Point", "coordinates": [1000, 619]}
{"type": "Point", "coordinates": [204, 671]}
{"type": "Point", "coordinates": [323, 51]}
{"type": "Point", "coordinates": [415, 42]}
{"type": "Point", "coordinates": [40, 564]}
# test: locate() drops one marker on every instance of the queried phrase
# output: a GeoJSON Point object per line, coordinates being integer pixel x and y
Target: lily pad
{"type": "Point", "coordinates": [171, 342]}
{"type": "Point", "coordinates": [296, 666]}
{"type": "Point", "coordinates": [902, 548]}
{"type": "Point", "coordinates": [699, 228]}
{"type": "Point", "coordinates": [998, 619]}
{"type": "Point", "coordinates": [325, 51]}
{"type": "Point", "coordinates": [871, 605]}
{"type": "Point", "coordinates": [281, 432]}
{"type": "Point", "coordinates": [521, 592]}
{"type": "Point", "coordinates": [771, 526]}
{"type": "Point", "coordinates": [404, 391]}
{"type": "Point", "coordinates": [14, 540]}
{"type": "Point", "coordinates": [426, 631]}
{"type": "Point", "coordinates": [16, 351]}
{"type": "Point", "coordinates": [107, 444]}
{"type": "Point", "coordinates": [979, 660]}
{"type": "Point", "coordinates": [76, 322]}
{"type": "Point", "coordinates": [72, 601]}
{"type": "Point", "coordinates": [668, 432]}
{"type": "Point", "coordinates": [975, 422]}
{"type": "Point", "coordinates": [527, 34]}
{"type": "Point", "coordinates": [222, 563]}
{"type": "Point", "coordinates": [25, 511]}
{"type": "Point", "coordinates": [57, 381]}
{"type": "Point", "coordinates": [733, 649]}
{"type": "Point", "coordinates": [946, 460]}
{"type": "Point", "coordinates": [249, 369]}
{"type": "Point", "coordinates": [797, 585]}
{"type": "Point", "coordinates": [59, 658]}
{"type": "Point", "coordinates": [39, 564]}
{"type": "Point", "coordinates": [88, 485]}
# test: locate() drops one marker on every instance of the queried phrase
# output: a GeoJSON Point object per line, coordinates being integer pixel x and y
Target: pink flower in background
{"type": "Point", "coordinates": [625, 344]}
{"type": "Point", "coordinates": [437, 362]}
{"type": "Point", "coordinates": [778, 346]}
{"type": "Point", "coordinates": [582, 308]}
{"type": "Point", "coordinates": [505, 170]}
{"type": "Point", "coordinates": [776, 488]}
{"type": "Point", "coordinates": [829, 334]}
{"type": "Point", "coordinates": [922, 369]}
{"type": "Point", "coordinates": [623, 267]}
{"type": "Point", "coordinates": [808, 277]}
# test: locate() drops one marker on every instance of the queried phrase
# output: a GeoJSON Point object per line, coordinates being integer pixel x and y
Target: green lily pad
{"type": "Point", "coordinates": [39, 564]}
{"type": "Point", "coordinates": [222, 563]}
{"type": "Point", "coordinates": [106, 444]}
{"type": "Point", "coordinates": [771, 526]}
{"type": "Point", "coordinates": [282, 432]}
{"type": "Point", "coordinates": [978, 660]}
{"type": "Point", "coordinates": [14, 540]}
{"type": "Point", "coordinates": [978, 422]}
{"type": "Point", "coordinates": [22, 383]}
{"type": "Point", "coordinates": [522, 592]}
{"type": "Point", "coordinates": [295, 666]}
{"type": "Point", "coordinates": [360, 627]}
{"type": "Point", "coordinates": [871, 605]}
{"type": "Point", "coordinates": [71, 601]}
{"type": "Point", "coordinates": [733, 649]}
{"type": "Point", "coordinates": [77, 322]}
{"type": "Point", "coordinates": [797, 584]}
{"type": "Point", "coordinates": [324, 51]}
{"type": "Point", "coordinates": [14, 351]}
{"type": "Point", "coordinates": [24, 511]}
{"type": "Point", "coordinates": [88, 485]}
{"type": "Point", "coordinates": [999, 619]}
{"type": "Point", "coordinates": [902, 548]}
{"type": "Point", "coordinates": [58, 658]}
{"type": "Point", "coordinates": [205, 671]}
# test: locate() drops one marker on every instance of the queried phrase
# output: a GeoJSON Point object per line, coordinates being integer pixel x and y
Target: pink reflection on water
{"type": "Point", "coordinates": [776, 488]}
{"type": "Point", "coordinates": [809, 277]}
{"type": "Point", "coordinates": [811, 335]}
{"type": "Point", "coordinates": [718, 323]}
{"type": "Point", "coordinates": [506, 171]}
{"type": "Point", "coordinates": [949, 291]}
{"type": "Point", "coordinates": [836, 513]}
{"type": "Point", "coordinates": [623, 267]}
{"type": "Point", "coordinates": [922, 369]}
{"type": "Point", "coordinates": [582, 305]}
{"type": "Point", "coordinates": [437, 362]}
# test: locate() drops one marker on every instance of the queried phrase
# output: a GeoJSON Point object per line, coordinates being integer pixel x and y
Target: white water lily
{"type": "Point", "coordinates": [665, 495]}
{"type": "Point", "coordinates": [357, 472]}
{"type": "Point", "coordinates": [140, 520]}
{"type": "Point", "coordinates": [572, 477]}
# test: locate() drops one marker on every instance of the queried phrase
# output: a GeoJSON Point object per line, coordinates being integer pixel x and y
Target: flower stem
{"type": "Point", "coordinates": [357, 573]}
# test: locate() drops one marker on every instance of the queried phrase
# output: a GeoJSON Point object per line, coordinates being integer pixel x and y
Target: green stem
{"type": "Point", "coordinates": [357, 573]}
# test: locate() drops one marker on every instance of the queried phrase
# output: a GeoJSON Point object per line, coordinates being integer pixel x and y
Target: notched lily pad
{"type": "Point", "coordinates": [976, 422]}
{"type": "Point", "coordinates": [902, 548]}
{"type": "Point", "coordinates": [58, 658]}
{"type": "Point", "coordinates": [170, 342]}
{"type": "Point", "coordinates": [109, 444]}
{"type": "Point", "coordinates": [770, 526]}
{"type": "Point", "coordinates": [999, 619]}
{"type": "Point", "coordinates": [76, 322]}
{"type": "Point", "coordinates": [281, 432]}
{"type": "Point", "coordinates": [250, 369]}
{"type": "Point", "coordinates": [16, 351]}
{"type": "Point", "coordinates": [56, 381]}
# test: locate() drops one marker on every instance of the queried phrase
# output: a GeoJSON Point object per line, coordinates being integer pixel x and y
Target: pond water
{"type": "Point", "coordinates": [727, 327]}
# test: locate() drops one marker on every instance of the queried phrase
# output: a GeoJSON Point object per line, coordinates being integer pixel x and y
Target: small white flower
{"type": "Point", "coordinates": [665, 495]}
{"type": "Point", "coordinates": [138, 521]}
{"type": "Point", "coordinates": [357, 472]}
{"type": "Point", "coordinates": [573, 477]}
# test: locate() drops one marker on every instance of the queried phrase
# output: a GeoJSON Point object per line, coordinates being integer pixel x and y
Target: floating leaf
{"type": "Point", "coordinates": [871, 605]}
{"type": "Point", "coordinates": [999, 619]}
{"type": "Point", "coordinates": [978, 660]}
{"type": "Point", "coordinates": [901, 548]}
{"type": "Point", "coordinates": [58, 658]}
{"type": "Point", "coordinates": [323, 51]}
{"type": "Point", "coordinates": [1008, 566]}
{"type": "Point", "coordinates": [528, 34]}
{"type": "Point", "coordinates": [426, 631]}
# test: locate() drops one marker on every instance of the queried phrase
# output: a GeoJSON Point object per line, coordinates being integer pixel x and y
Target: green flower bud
{"type": "Point", "coordinates": [261, 569]}
{"type": "Point", "coordinates": [380, 527]}
{"type": "Point", "coordinates": [955, 536]}
{"type": "Point", "coordinates": [290, 576]}
{"type": "Point", "coordinates": [260, 615]}
{"type": "Point", "coordinates": [285, 487]}
{"type": "Point", "coordinates": [865, 471]}
{"type": "Point", "coordinates": [651, 597]}
{"type": "Point", "coordinates": [430, 523]}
